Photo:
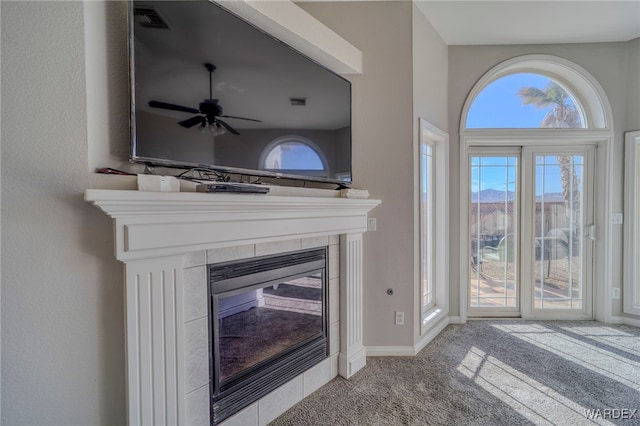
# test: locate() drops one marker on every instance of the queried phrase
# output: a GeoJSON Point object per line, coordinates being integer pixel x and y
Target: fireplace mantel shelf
{"type": "Point", "coordinates": [153, 232]}
{"type": "Point", "coordinates": [152, 224]}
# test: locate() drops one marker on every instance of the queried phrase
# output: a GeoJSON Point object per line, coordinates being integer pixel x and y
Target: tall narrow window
{"type": "Point", "coordinates": [426, 226]}
{"type": "Point", "coordinates": [432, 237]}
{"type": "Point", "coordinates": [631, 293]}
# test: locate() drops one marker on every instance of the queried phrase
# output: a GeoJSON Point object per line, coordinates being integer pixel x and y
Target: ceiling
{"type": "Point", "coordinates": [532, 22]}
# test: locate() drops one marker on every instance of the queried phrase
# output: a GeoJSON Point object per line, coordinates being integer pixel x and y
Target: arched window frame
{"type": "Point", "coordinates": [597, 113]}
{"type": "Point", "coordinates": [584, 88]}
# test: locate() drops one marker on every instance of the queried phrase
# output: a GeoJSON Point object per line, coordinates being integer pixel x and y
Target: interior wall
{"type": "Point", "coordinates": [633, 85]}
{"type": "Point", "coordinates": [430, 77]}
{"type": "Point", "coordinates": [430, 74]}
{"type": "Point", "coordinates": [382, 122]}
{"type": "Point", "coordinates": [62, 304]}
{"type": "Point", "coordinates": [607, 62]}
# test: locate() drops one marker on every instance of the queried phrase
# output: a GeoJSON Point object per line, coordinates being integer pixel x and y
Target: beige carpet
{"type": "Point", "coordinates": [492, 373]}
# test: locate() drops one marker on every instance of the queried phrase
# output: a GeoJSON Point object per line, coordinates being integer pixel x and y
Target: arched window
{"type": "Point", "coordinates": [292, 153]}
{"type": "Point", "coordinates": [536, 145]}
{"type": "Point", "coordinates": [525, 100]}
{"type": "Point", "coordinates": [495, 102]}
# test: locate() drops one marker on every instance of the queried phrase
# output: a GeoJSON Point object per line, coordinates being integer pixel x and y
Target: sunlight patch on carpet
{"type": "Point", "coordinates": [536, 402]}
{"type": "Point", "coordinates": [607, 363]}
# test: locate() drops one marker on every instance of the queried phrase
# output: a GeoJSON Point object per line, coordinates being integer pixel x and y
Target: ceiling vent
{"type": "Point", "coordinates": [298, 101]}
{"type": "Point", "coordinates": [148, 17]}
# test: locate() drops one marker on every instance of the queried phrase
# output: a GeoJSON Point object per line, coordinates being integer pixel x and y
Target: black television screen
{"type": "Point", "coordinates": [211, 90]}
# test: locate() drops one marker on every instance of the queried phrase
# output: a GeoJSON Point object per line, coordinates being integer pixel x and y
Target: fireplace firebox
{"type": "Point", "coordinates": [268, 324]}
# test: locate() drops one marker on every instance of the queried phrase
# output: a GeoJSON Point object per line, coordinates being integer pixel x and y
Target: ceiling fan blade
{"type": "Point", "coordinates": [241, 118]}
{"type": "Point", "coordinates": [226, 126]}
{"type": "Point", "coordinates": [172, 107]}
{"type": "Point", "coordinates": [190, 122]}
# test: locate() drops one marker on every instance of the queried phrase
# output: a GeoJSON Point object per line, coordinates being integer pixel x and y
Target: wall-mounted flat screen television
{"type": "Point", "coordinates": [210, 90]}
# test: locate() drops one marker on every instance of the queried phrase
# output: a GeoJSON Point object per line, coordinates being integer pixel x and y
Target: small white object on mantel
{"type": "Point", "coordinates": [354, 193]}
{"type": "Point", "coordinates": [157, 183]}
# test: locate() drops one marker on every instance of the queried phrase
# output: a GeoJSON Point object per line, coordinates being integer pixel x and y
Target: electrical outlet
{"type": "Point", "coordinates": [616, 218]}
{"type": "Point", "coordinates": [615, 292]}
{"type": "Point", "coordinates": [399, 318]}
{"type": "Point", "coordinates": [371, 224]}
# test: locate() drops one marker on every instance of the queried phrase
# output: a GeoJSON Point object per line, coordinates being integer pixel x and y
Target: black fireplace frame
{"type": "Point", "coordinates": [228, 278]}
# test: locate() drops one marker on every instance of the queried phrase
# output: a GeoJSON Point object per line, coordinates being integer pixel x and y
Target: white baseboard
{"type": "Point", "coordinates": [391, 351]}
{"type": "Point", "coordinates": [409, 350]}
{"type": "Point", "coordinates": [615, 320]}
{"type": "Point", "coordinates": [631, 321]}
{"type": "Point", "coordinates": [431, 334]}
{"type": "Point", "coordinates": [455, 320]}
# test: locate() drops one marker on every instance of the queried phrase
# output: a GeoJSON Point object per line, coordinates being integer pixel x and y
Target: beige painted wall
{"type": "Point", "coordinates": [62, 304]}
{"type": "Point", "coordinates": [633, 78]}
{"type": "Point", "coordinates": [607, 62]}
{"type": "Point", "coordinates": [382, 153]}
{"type": "Point", "coordinates": [405, 77]}
{"type": "Point", "coordinates": [430, 74]}
{"type": "Point", "coordinates": [430, 77]}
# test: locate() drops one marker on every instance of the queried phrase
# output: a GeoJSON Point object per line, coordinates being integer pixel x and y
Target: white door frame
{"type": "Point", "coordinates": [603, 139]}
{"type": "Point", "coordinates": [599, 117]}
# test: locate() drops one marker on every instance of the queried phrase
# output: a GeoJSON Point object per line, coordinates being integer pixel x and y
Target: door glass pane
{"type": "Point", "coordinates": [559, 220]}
{"type": "Point", "coordinates": [493, 280]}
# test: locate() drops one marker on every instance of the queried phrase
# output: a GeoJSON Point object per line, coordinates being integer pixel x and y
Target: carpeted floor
{"type": "Point", "coordinates": [492, 373]}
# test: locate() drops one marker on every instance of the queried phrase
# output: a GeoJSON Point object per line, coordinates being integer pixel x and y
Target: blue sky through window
{"type": "Point", "coordinates": [499, 106]}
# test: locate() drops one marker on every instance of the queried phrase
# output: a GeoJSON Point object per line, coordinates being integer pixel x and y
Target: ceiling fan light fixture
{"type": "Point", "coordinates": [216, 129]}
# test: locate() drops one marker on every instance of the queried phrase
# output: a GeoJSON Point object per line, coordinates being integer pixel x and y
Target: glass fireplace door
{"type": "Point", "coordinates": [268, 325]}
{"type": "Point", "coordinates": [257, 324]}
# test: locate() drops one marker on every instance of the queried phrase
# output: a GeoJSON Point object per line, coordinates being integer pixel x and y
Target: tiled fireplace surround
{"type": "Point", "coordinates": [167, 239]}
{"type": "Point", "coordinates": [197, 338]}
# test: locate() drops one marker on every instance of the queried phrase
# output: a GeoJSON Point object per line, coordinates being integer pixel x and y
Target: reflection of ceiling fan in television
{"type": "Point", "coordinates": [209, 109]}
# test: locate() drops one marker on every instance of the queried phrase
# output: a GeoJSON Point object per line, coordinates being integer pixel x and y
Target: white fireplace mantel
{"type": "Point", "coordinates": [153, 230]}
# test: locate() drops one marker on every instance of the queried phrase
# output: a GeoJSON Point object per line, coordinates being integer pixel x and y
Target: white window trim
{"type": "Point", "coordinates": [428, 320]}
{"type": "Point", "coordinates": [631, 294]}
{"type": "Point", "coordinates": [598, 114]}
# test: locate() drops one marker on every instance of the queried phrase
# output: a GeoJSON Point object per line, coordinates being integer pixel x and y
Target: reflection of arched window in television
{"type": "Point", "coordinates": [292, 153]}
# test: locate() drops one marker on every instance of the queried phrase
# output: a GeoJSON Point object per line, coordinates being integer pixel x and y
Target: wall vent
{"type": "Point", "coordinates": [298, 101]}
{"type": "Point", "coordinates": [148, 17]}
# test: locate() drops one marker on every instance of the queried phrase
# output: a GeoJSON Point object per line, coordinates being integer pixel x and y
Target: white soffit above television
{"type": "Point", "coordinates": [532, 22]}
{"type": "Point", "coordinates": [291, 24]}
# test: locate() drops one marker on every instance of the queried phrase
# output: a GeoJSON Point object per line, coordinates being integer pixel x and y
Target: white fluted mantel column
{"type": "Point", "coordinates": [154, 230]}
{"type": "Point", "coordinates": [353, 354]}
{"type": "Point", "coordinates": [155, 341]}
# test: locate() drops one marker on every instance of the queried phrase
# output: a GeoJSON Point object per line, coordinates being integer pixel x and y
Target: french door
{"type": "Point", "coordinates": [531, 231]}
